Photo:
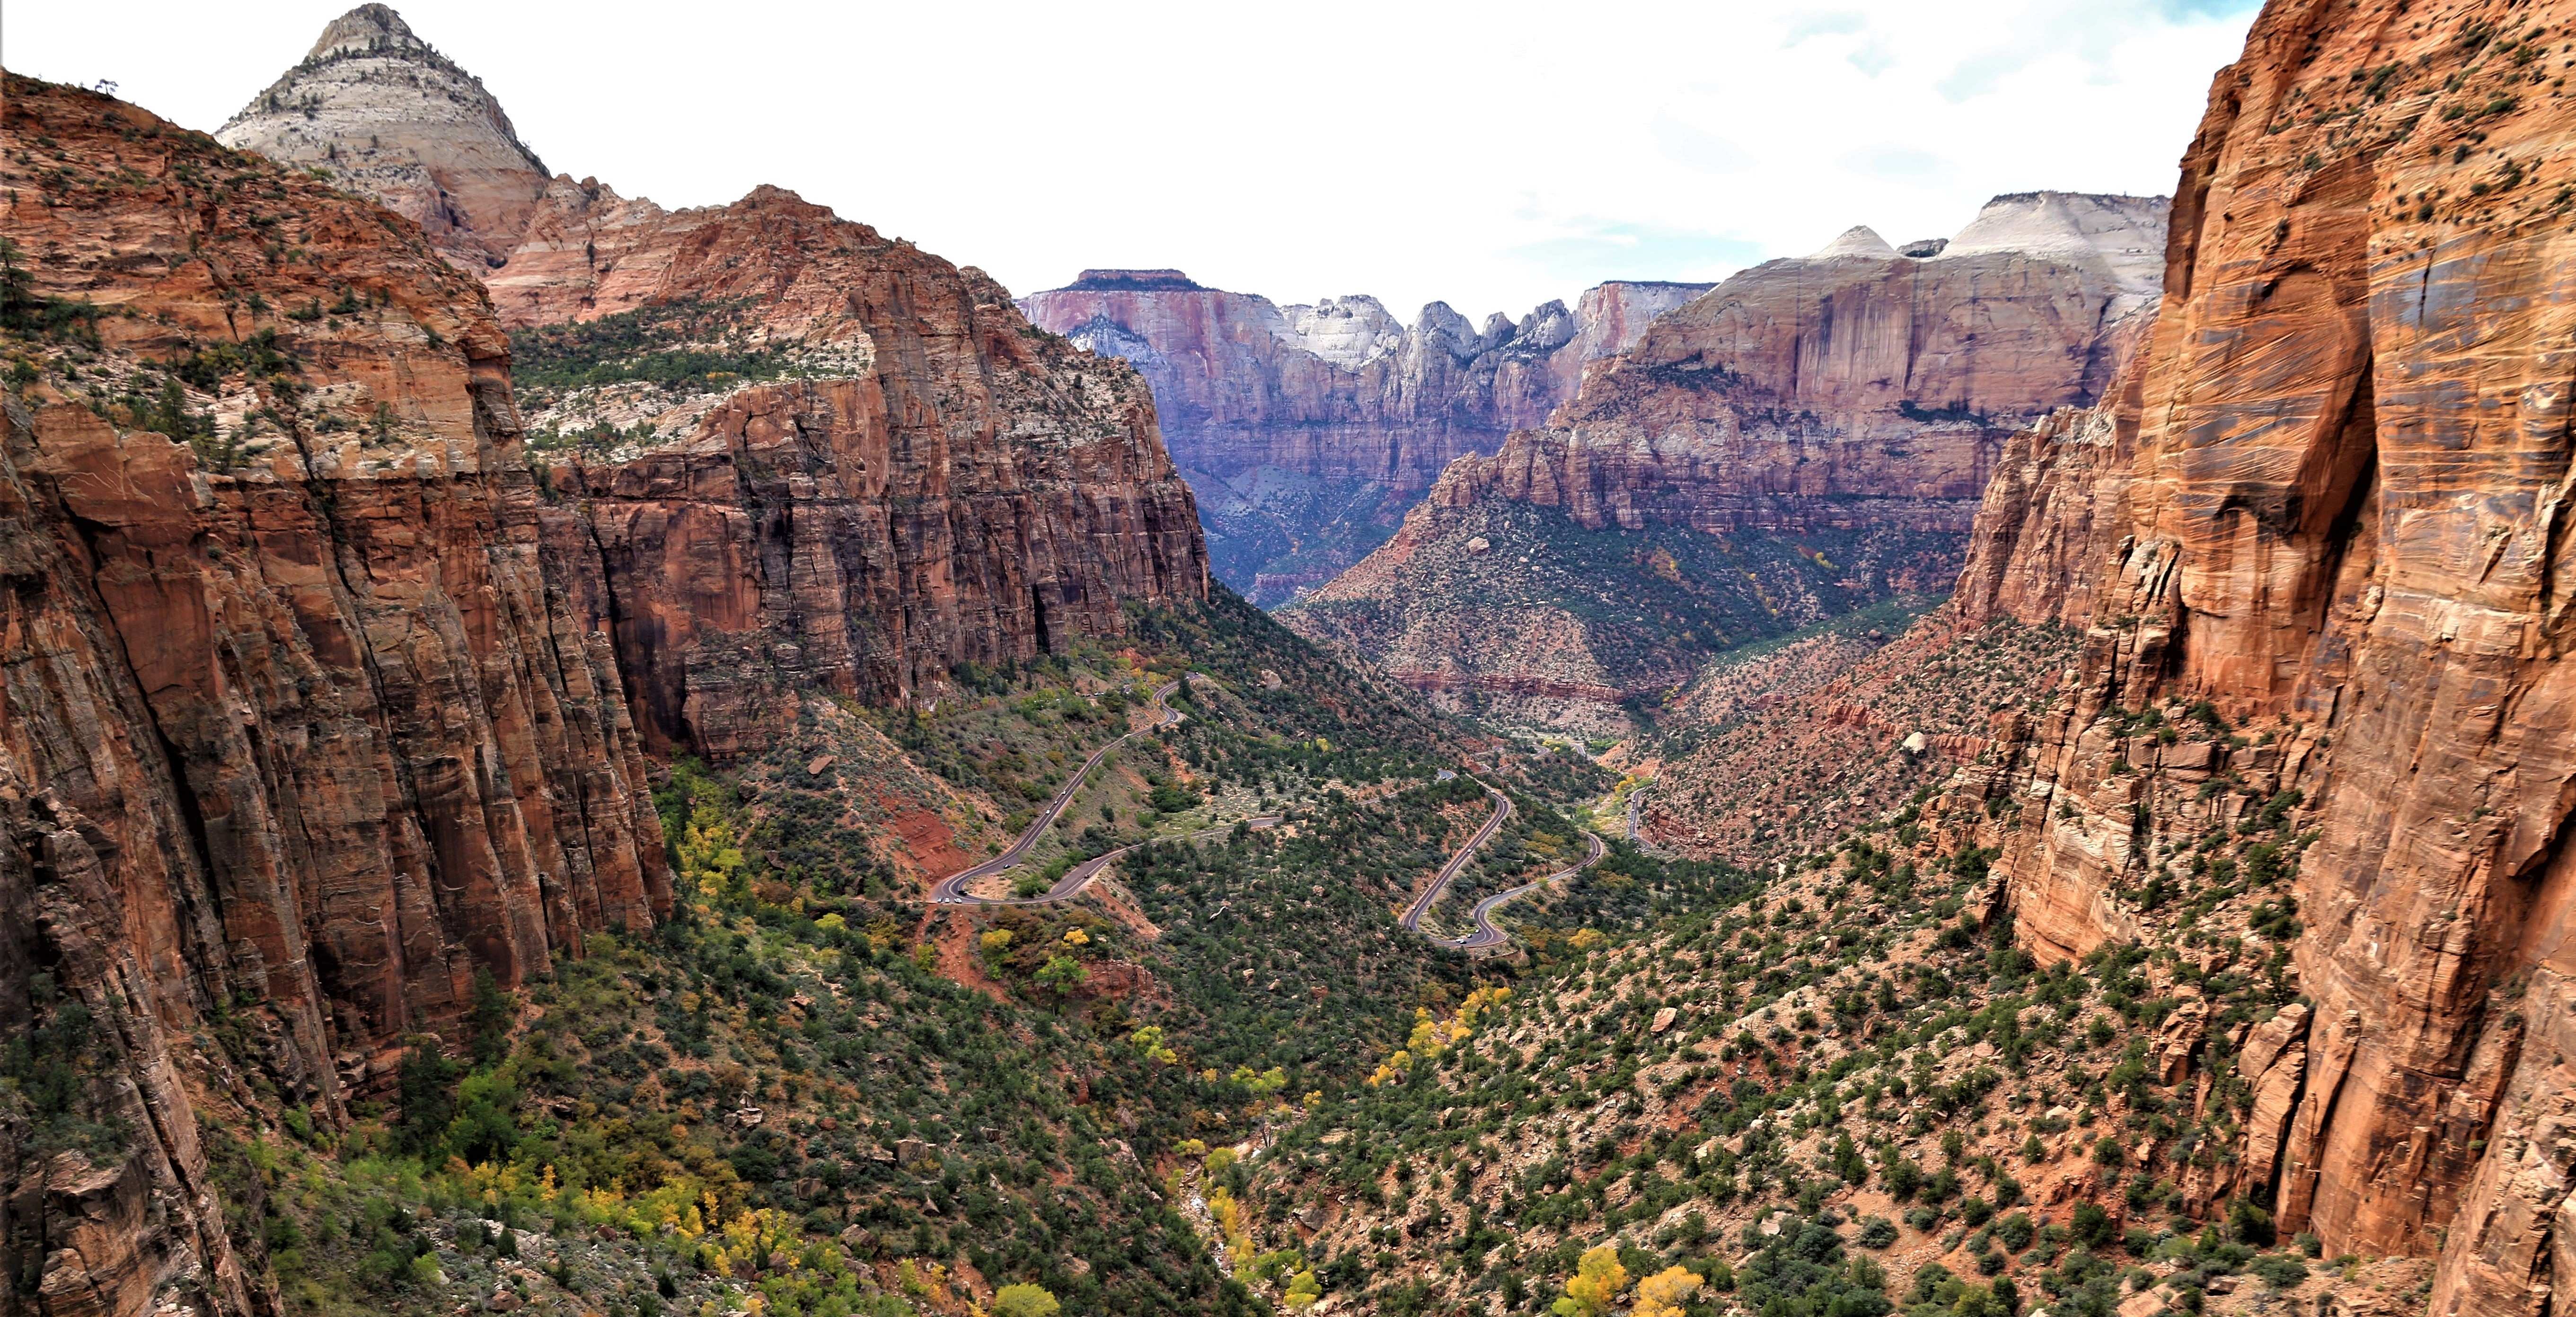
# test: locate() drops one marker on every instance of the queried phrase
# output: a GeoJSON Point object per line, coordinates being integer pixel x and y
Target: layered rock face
{"type": "Point", "coordinates": [1308, 428]}
{"type": "Point", "coordinates": [324, 693]}
{"type": "Point", "coordinates": [394, 119]}
{"type": "Point", "coordinates": [1850, 404]}
{"type": "Point", "coordinates": [941, 484]}
{"type": "Point", "coordinates": [2334, 507]}
{"type": "Point", "coordinates": [311, 714]}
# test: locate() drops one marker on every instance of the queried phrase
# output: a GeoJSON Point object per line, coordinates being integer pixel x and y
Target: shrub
{"type": "Point", "coordinates": [2279, 1270]}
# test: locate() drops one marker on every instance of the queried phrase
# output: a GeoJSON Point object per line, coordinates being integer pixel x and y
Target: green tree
{"type": "Point", "coordinates": [488, 1021]}
{"type": "Point", "coordinates": [426, 1091]}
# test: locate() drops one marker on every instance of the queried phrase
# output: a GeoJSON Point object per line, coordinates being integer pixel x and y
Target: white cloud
{"type": "Point", "coordinates": [1490, 155]}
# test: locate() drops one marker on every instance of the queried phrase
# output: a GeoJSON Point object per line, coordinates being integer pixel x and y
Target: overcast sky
{"type": "Point", "coordinates": [1490, 155]}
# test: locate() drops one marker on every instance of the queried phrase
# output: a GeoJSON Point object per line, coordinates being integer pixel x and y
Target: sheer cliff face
{"type": "Point", "coordinates": [941, 484]}
{"type": "Point", "coordinates": [313, 719]}
{"type": "Point", "coordinates": [2335, 504]}
{"type": "Point", "coordinates": [318, 695]}
{"type": "Point", "coordinates": [1339, 400]}
{"type": "Point", "coordinates": [1843, 410]}
{"type": "Point", "coordinates": [950, 485]}
{"type": "Point", "coordinates": [393, 118]}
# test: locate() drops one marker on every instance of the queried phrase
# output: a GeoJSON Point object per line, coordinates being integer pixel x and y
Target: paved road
{"type": "Point", "coordinates": [952, 889]}
{"type": "Point", "coordinates": [1485, 934]}
{"type": "Point", "coordinates": [1448, 872]}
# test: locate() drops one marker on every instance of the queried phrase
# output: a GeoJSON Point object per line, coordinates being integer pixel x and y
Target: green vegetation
{"type": "Point", "coordinates": [678, 347]}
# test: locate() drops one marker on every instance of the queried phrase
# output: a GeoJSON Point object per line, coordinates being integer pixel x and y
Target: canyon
{"type": "Point", "coordinates": [1308, 430]}
{"type": "Point", "coordinates": [452, 607]}
{"type": "Point", "coordinates": [2321, 504]}
{"type": "Point", "coordinates": [1812, 435]}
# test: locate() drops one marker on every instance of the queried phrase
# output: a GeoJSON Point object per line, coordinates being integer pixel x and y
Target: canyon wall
{"type": "Point", "coordinates": [1308, 429]}
{"type": "Point", "coordinates": [323, 691]}
{"type": "Point", "coordinates": [2334, 507]}
{"type": "Point", "coordinates": [1823, 426]}
{"type": "Point", "coordinates": [305, 721]}
{"type": "Point", "coordinates": [900, 475]}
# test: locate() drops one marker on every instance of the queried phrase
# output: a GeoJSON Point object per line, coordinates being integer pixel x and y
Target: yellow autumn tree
{"type": "Point", "coordinates": [1595, 1286]}
{"type": "Point", "coordinates": [710, 850]}
{"type": "Point", "coordinates": [1664, 1293]}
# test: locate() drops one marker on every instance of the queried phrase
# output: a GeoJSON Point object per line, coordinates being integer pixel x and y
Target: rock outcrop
{"type": "Point", "coordinates": [385, 114]}
{"type": "Point", "coordinates": [2333, 507]}
{"type": "Point", "coordinates": [302, 708]}
{"type": "Point", "coordinates": [1851, 405]}
{"type": "Point", "coordinates": [1307, 429]}
{"type": "Point", "coordinates": [323, 693]}
{"type": "Point", "coordinates": [898, 476]}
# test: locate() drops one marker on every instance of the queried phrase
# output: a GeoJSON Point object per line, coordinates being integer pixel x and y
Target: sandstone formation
{"type": "Point", "coordinates": [1850, 405]}
{"type": "Point", "coordinates": [308, 714]}
{"type": "Point", "coordinates": [387, 115]}
{"type": "Point", "coordinates": [938, 483]}
{"type": "Point", "coordinates": [2332, 507]}
{"type": "Point", "coordinates": [1307, 429]}
{"type": "Point", "coordinates": [322, 693]}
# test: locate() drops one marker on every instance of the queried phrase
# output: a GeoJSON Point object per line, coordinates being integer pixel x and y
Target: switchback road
{"type": "Point", "coordinates": [952, 889]}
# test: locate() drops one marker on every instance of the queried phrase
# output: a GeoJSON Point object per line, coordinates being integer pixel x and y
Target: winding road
{"type": "Point", "coordinates": [952, 889]}
{"type": "Point", "coordinates": [1485, 934]}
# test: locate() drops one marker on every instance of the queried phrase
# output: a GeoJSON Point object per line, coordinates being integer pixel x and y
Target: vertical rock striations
{"type": "Point", "coordinates": [2334, 504]}
{"type": "Point", "coordinates": [1821, 428]}
{"type": "Point", "coordinates": [889, 473]}
{"type": "Point", "coordinates": [298, 708]}
{"type": "Point", "coordinates": [1307, 428]}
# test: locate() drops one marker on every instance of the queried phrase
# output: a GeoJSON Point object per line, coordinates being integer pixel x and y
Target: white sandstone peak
{"type": "Point", "coordinates": [1860, 240]}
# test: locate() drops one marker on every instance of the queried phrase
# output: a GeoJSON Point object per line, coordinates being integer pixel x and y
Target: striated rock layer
{"type": "Point", "coordinates": [321, 693]}
{"type": "Point", "coordinates": [939, 484]}
{"type": "Point", "coordinates": [1307, 429]}
{"type": "Point", "coordinates": [295, 717]}
{"type": "Point", "coordinates": [2335, 503]}
{"type": "Point", "coordinates": [1851, 404]}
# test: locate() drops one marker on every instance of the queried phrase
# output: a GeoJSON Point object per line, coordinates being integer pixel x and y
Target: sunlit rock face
{"type": "Point", "coordinates": [1308, 430]}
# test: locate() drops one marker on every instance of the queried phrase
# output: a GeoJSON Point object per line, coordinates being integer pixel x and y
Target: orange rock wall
{"type": "Point", "coordinates": [2336, 500]}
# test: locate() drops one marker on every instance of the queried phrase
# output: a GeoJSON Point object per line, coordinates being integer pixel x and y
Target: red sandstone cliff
{"type": "Point", "coordinates": [307, 716]}
{"type": "Point", "coordinates": [1341, 390]}
{"type": "Point", "coordinates": [318, 695]}
{"type": "Point", "coordinates": [1829, 423]}
{"type": "Point", "coordinates": [2334, 506]}
{"type": "Point", "coordinates": [939, 483]}
{"type": "Point", "coordinates": [1309, 428]}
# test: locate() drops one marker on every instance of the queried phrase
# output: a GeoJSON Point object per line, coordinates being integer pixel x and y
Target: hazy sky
{"type": "Point", "coordinates": [1490, 155]}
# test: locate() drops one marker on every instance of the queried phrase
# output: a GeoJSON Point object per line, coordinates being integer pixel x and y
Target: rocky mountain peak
{"type": "Point", "coordinates": [365, 29]}
{"type": "Point", "coordinates": [2122, 238]}
{"type": "Point", "coordinates": [391, 117]}
{"type": "Point", "coordinates": [1861, 241]}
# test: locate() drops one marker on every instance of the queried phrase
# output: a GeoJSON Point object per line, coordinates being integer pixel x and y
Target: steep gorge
{"type": "Point", "coordinates": [325, 693]}
{"type": "Point", "coordinates": [2326, 508]}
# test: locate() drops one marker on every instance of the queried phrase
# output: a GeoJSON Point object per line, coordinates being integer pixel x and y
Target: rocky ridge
{"type": "Point", "coordinates": [867, 468]}
{"type": "Point", "coordinates": [326, 693]}
{"type": "Point", "coordinates": [384, 113]}
{"type": "Point", "coordinates": [1851, 404]}
{"type": "Point", "coordinates": [1307, 429]}
{"type": "Point", "coordinates": [2321, 518]}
